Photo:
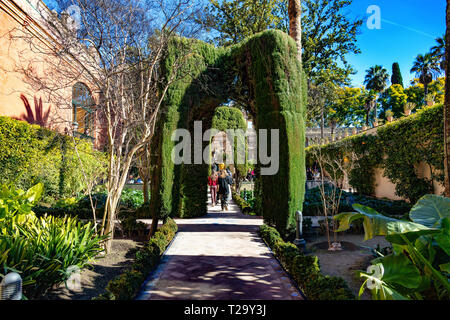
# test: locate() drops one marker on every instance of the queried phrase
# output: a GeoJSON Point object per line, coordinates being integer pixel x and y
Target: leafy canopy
{"type": "Point", "coordinates": [328, 34]}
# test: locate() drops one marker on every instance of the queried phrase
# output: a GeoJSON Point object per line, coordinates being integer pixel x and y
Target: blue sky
{"type": "Point", "coordinates": [408, 27]}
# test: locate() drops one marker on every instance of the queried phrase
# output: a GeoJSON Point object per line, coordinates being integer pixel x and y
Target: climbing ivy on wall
{"type": "Point", "coordinates": [267, 67]}
{"type": "Point", "coordinates": [398, 148]}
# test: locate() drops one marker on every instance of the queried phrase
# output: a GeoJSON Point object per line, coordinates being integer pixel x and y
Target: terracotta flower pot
{"type": "Point", "coordinates": [390, 119]}
{"type": "Point", "coordinates": [407, 112]}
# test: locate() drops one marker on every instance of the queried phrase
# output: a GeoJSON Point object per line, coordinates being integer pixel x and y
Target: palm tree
{"type": "Point", "coordinates": [447, 108]}
{"type": "Point", "coordinates": [376, 80]}
{"type": "Point", "coordinates": [369, 103]}
{"type": "Point", "coordinates": [426, 68]}
{"type": "Point", "coordinates": [438, 51]}
{"type": "Point", "coordinates": [295, 24]}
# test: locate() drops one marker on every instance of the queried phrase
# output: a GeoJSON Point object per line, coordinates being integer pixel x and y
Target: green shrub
{"type": "Point", "coordinates": [131, 205]}
{"type": "Point", "coordinates": [245, 207]}
{"type": "Point", "coordinates": [127, 285]}
{"type": "Point", "coordinates": [313, 204]}
{"type": "Point", "coordinates": [305, 270]}
{"type": "Point", "coordinates": [42, 249]}
{"type": "Point", "coordinates": [132, 198]}
{"type": "Point", "coordinates": [32, 154]}
{"type": "Point", "coordinates": [397, 148]}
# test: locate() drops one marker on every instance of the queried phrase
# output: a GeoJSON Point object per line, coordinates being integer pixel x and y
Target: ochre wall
{"type": "Point", "coordinates": [28, 66]}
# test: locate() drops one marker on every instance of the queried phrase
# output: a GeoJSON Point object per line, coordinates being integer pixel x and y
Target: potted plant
{"type": "Point", "coordinates": [389, 115]}
{"type": "Point", "coordinates": [375, 123]}
{"type": "Point", "coordinates": [430, 99]}
{"type": "Point", "coordinates": [409, 107]}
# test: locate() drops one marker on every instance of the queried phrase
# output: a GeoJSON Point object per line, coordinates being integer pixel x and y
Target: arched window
{"type": "Point", "coordinates": [82, 109]}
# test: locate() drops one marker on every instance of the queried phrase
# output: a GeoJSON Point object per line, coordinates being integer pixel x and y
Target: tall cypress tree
{"type": "Point", "coordinates": [396, 74]}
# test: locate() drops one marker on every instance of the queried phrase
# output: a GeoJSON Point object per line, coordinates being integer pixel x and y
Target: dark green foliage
{"type": "Point", "coordinates": [376, 78]}
{"type": "Point", "coordinates": [124, 286]}
{"type": "Point", "coordinates": [396, 77]}
{"type": "Point", "coordinates": [313, 204]}
{"type": "Point", "coordinates": [31, 154]}
{"type": "Point", "coordinates": [405, 144]}
{"type": "Point", "coordinates": [131, 200]}
{"type": "Point", "coordinates": [246, 207]}
{"type": "Point", "coordinates": [228, 118]}
{"type": "Point", "coordinates": [127, 285]}
{"type": "Point", "coordinates": [305, 270]}
{"type": "Point", "coordinates": [408, 142]}
{"type": "Point", "coordinates": [328, 34]}
{"type": "Point", "coordinates": [42, 250]}
{"type": "Point", "coordinates": [267, 66]}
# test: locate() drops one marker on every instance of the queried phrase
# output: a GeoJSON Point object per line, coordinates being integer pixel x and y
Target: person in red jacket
{"type": "Point", "coordinates": [212, 183]}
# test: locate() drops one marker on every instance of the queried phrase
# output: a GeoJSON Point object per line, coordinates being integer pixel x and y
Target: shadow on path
{"type": "Point", "coordinates": [219, 257]}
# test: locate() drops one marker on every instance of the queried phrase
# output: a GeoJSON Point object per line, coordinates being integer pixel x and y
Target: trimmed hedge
{"type": "Point", "coordinates": [31, 154]}
{"type": "Point", "coordinates": [127, 285]}
{"type": "Point", "coordinates": [313, 204]}
{"type": "Point", "coordinates": [131, 203]}
{"type": "Point", "coordinates": [305, 270]}
{"type": "Point", "coordinates": [397, 148]}
{"type": "Point", "coordinates": [245, 207]}
{"type": "Point", "coordinates": [231, 118]}
{"type": "Point", "coordinates": [266, 68]}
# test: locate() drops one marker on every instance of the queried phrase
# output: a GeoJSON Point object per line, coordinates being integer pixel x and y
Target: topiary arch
{"type": "Point", "coordinates": [264, 71]}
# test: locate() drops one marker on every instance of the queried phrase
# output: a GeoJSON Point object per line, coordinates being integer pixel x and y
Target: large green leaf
{"type": "Point", "coordinates": [34, 194]}
{"type": "Point", "coordinates": [430, 210]}
{"type": "Point", "coordinates": [376, 224]}
{"type": "Point", "coordinates": [443, 239]}
{"type": "Point", "coordinates": [400, 270]}
{"type": "Point", "coordinates": [382, 291]}
{"type": "Point", "coordinates": [445, 267]}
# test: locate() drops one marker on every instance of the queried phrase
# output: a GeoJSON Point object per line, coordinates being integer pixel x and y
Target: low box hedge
{"type": "Point", "coordinates": [127, 285]}
{"type": "Point", "coordinates": [245, 207]}
{"type": "Point", "coordinates": [305, 270]}
{"type": "Point", "coordinates": [313, 204]}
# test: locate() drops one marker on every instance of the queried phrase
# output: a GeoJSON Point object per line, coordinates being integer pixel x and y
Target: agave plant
{"type": "Point", "coordinates": [419, 267]}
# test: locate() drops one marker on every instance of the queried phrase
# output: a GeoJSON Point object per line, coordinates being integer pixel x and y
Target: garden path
{"type": "Point", "coordinates": [219, 257]}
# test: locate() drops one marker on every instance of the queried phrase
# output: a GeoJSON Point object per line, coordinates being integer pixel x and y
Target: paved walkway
{"type": "Point", "coordinates": [219, 257]}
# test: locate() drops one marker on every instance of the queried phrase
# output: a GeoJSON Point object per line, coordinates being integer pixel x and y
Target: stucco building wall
{"type": "Point", "coordinates": [28, 67]}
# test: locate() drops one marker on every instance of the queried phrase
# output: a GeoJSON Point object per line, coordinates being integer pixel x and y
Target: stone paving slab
{"type": "Point", "coordinates": [219, 257]}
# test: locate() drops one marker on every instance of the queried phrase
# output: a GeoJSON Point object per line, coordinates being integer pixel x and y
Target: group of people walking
{"type": "Point", "coordinates": [219, 183]}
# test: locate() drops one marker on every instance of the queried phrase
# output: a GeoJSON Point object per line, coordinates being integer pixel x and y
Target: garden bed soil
{"type": "Point", "coordinates": [345, 263]}
{"type": "Point", "coordinates": [94, 279]}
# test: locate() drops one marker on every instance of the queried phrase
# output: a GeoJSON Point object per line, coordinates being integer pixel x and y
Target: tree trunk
{"type": "Point", "coordinates": [367, 116]}
{"type": "Point", "coordinates": [153, 227]}
{"type": "Point", "coordinates": [425, 88]}
{"type": "Point", "coordinates": [447, 106]}
{"type": "Point", "coordinates": [375, 109]}
{"type": "Point", "coordinates": [110, 223]}
{"type": "Point", "coordinates": [145, 190]}
{"type": "Point", "coordinates": [322, 122]}
{"type": "Point", "coordinates": [295, 24]}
